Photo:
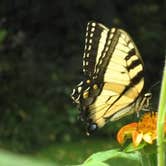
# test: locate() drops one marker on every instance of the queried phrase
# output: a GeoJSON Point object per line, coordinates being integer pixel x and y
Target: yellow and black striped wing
{"type": "Point", "coordinates": [121, 67]}
{"type": "Point", "coordinates": [113, 72]}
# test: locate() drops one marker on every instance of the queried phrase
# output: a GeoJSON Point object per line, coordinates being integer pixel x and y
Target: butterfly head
{"type": "Point", "coordinates": [146, 101]}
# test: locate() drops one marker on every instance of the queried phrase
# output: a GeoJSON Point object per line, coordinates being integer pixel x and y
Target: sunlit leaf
{"type": "Point", "coordinates": [103, 156]}
{"type": "Point", "coordinates": [114, 157]}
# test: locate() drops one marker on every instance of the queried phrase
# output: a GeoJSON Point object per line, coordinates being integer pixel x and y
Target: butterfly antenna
{"type": "Point", "coordinates": [155, 84]}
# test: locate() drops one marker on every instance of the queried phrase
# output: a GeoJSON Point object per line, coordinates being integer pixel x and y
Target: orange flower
{"type": "Point", "coordinates": [145, 130]}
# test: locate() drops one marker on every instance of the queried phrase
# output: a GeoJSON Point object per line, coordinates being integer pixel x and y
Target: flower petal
{"type": "Point", "coordinates": [126, 131]}
{"type": "Point", "coordinates": [137, 138]}
{"type": "Point", "coordinates": [148, 138]}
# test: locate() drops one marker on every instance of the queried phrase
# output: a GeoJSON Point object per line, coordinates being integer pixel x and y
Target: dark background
{"type": "Point", "coordinates": [41, 48]}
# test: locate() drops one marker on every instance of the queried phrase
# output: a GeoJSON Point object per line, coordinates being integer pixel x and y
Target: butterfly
{"type": "Point", "coordinates": [113, 85]}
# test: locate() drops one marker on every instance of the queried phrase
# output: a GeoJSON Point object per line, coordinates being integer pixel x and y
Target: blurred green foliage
{"type": "Point", "coordinates": [10, 159]}
{"type": "Point", "coordinates": [41, 48]}
{"type": "Point", "coordinates": [74, 153]}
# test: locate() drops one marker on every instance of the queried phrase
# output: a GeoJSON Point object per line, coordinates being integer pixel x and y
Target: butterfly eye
{"type": "Point", "coordinates": [95, 86]}
{"type": "Point", "coordinates": [85, 94]}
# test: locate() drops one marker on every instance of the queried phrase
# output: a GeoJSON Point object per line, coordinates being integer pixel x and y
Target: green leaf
{"type": "Point", "coordinates": [93, 163]}
{"type": "Point", "coordinates": [114, 157]}
{"type": "Point", "coordinates": [103, 156]}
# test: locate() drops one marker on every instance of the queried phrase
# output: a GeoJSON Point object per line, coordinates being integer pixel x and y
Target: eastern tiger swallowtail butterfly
{"type": "Point", "coordinates": [114, 83]}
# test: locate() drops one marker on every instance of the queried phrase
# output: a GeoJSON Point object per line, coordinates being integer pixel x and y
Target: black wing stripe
{"type": "Point", "coordinates": [130, 54]}
{"type": "Point", "coordinates": [137, 78]}
{"type": "Point", "coordinates": [133, 64]}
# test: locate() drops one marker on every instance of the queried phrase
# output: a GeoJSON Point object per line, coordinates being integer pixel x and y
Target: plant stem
{"type": "Point", "coordinates": [161, 121]}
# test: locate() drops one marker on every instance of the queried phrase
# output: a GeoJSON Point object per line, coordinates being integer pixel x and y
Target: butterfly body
{"type": "Point", "coordinates": [114, 82]}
